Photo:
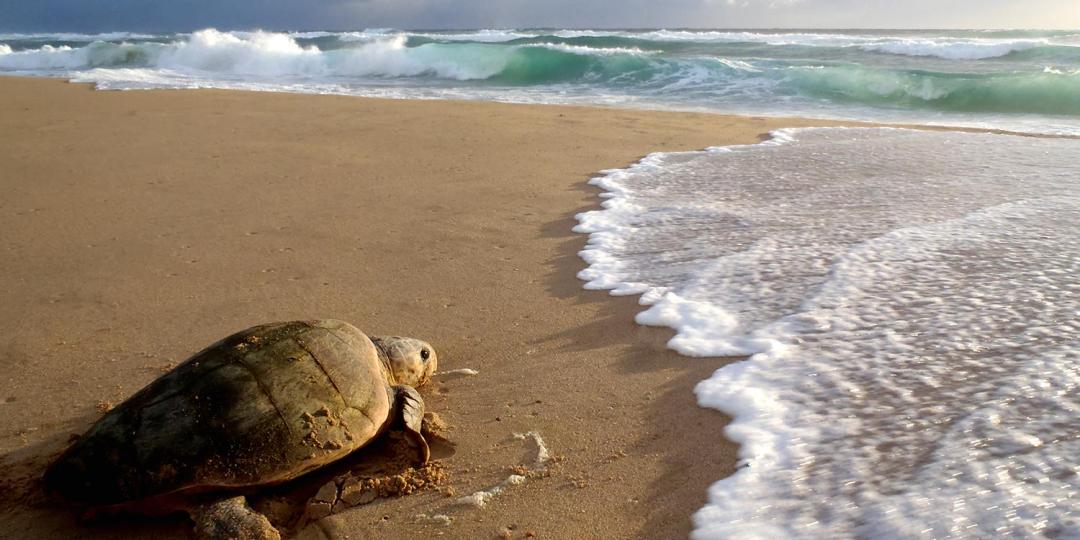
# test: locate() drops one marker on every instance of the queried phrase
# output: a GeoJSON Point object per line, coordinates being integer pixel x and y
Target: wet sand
{"type": "Point", "coordinates": [138, 227]}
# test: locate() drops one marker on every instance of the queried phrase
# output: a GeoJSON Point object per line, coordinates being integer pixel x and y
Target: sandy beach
{"type": "Point", "coordinates": [140, 226]}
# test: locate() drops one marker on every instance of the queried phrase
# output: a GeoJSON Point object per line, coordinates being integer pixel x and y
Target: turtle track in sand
{"type": "Point", "coordinates": [384, 469]}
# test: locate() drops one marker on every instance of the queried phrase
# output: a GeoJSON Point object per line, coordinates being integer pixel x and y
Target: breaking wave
{"type": "Point", "coordinates": [962, 77]}
{"type": "Point", "coordinates": [1045, 92]}
{"type": "Point", "coordinates": [273, 55]}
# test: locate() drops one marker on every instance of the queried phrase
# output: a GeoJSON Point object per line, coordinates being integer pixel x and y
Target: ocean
{"type": "Point", "coordinates": [905, 301]}
{"type": "Point", "coordinates": [1015, 80]}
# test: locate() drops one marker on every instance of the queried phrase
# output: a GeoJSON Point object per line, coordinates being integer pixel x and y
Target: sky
{"type": "Point", "coordinates": [184, 15]}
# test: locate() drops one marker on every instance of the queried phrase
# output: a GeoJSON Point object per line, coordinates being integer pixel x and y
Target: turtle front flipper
{"type": "Point", "coordinates": [232, 518]}
{"type": "Point", "coordinates": [410, 406]}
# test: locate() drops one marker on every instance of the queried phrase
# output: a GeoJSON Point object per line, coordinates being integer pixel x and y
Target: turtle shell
{"type": "Point", "coordinates": [259, 407]}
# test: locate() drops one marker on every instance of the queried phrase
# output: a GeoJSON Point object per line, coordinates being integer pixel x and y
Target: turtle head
{"type": "Point", "coordinates": [412, 361]}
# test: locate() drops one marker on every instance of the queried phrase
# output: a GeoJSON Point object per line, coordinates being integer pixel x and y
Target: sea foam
{"type": "Point", "coordinates": [908, 305]}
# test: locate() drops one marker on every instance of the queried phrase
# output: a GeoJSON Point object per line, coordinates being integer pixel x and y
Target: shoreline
{"type": "Point", "coordinates": [807, 120]}
{"type": "Point", "coordinates": [190, 214]}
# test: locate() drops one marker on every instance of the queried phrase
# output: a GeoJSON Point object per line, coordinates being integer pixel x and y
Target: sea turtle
{"type": "Point", "coordinates": [258, 408]}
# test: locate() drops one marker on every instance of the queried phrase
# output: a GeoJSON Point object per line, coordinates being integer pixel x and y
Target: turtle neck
{"type": "Point", "coordinates": [384, 360]}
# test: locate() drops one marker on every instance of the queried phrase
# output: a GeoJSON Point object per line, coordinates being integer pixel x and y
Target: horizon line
{"type": "Point", "coordinates": [574, 28]}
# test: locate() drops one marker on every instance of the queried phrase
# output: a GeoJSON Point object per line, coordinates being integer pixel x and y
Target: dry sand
{"type": "Point", "coordinates": [137, 227]}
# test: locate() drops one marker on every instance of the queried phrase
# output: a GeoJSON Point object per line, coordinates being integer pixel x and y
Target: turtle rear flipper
{"type": "Point", "coordinates": [411, 408]}
{"type": "Point", "coordinates": [232, 518]}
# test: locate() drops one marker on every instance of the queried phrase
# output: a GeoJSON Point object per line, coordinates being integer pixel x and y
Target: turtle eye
{"type": "Point", "coordinates": [424, 354]}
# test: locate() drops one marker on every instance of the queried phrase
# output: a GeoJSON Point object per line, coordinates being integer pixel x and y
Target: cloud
{"type": "Point", "coordinates": [182, 15]}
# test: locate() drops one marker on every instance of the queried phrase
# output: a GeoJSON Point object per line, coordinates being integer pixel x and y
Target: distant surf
{"type": "Point", "coordinates": [1017, 80]}
{"type": "Point", "coordinates": [911, 322]}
